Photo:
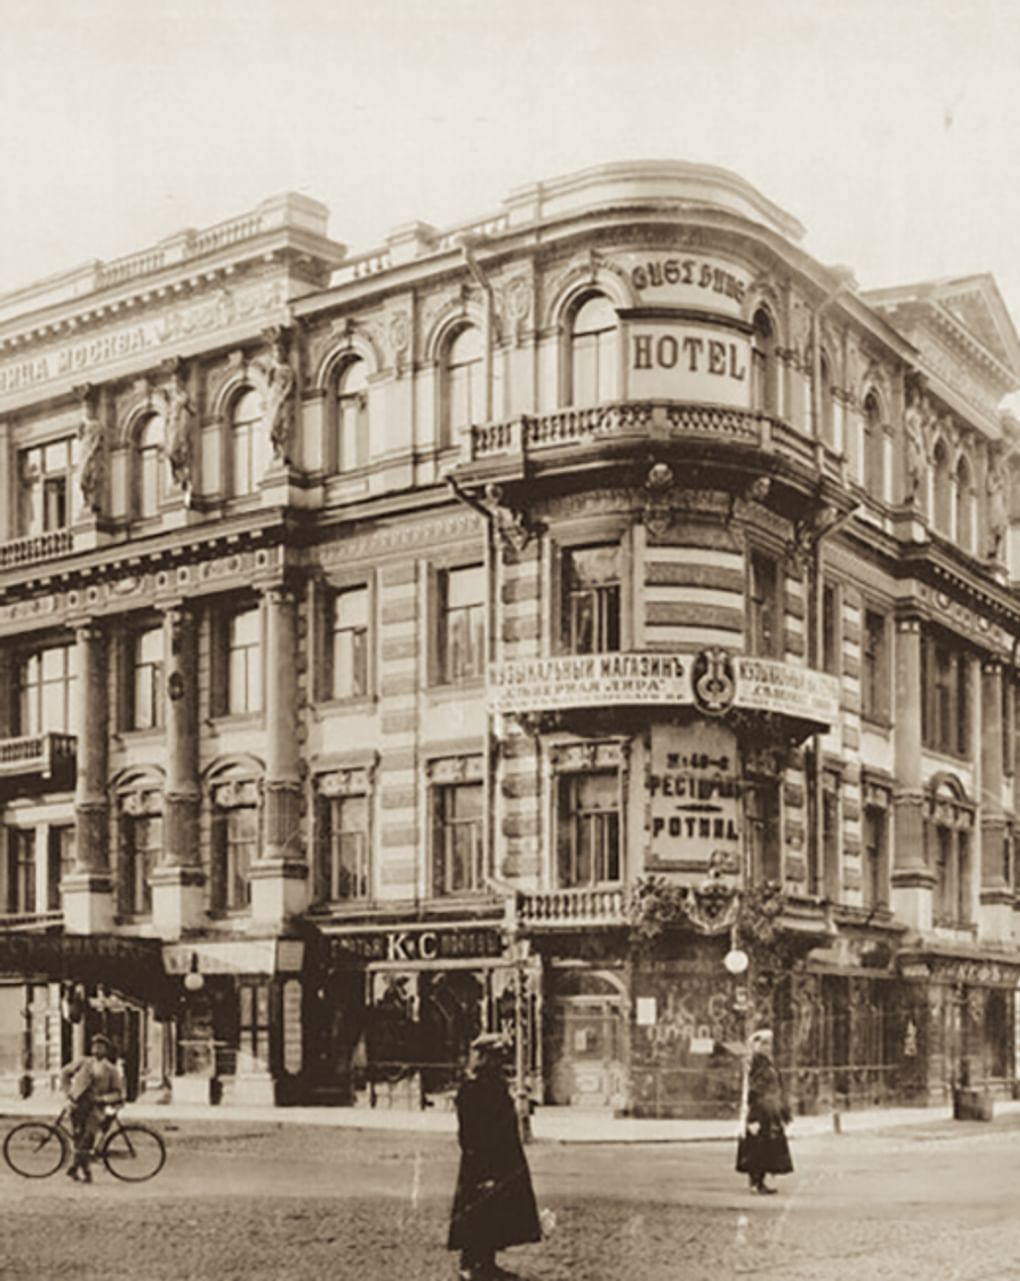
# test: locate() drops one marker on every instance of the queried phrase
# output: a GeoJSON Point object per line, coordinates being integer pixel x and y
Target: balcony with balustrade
{"type": "Point", "coordinates": [37, 761]}
{"type": "Point", "coordinates": [719, 436]}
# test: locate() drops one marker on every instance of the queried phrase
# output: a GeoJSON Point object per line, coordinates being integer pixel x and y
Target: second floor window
{"type": "Point", "coordinates": [953, 875]}
{"type": "Point", "coordinates": [875, 666]}
{"type": "Point", "coordinates": [765, 621]}
{"type": "Point", "coordinates": [45, 691]}
{"type": "Point", "coordinates": [764, 837]}
{"type": "Point", "coordinates": [351, 443]}
{"type": "Point", "coordinates": [945, 691]}
{"type": "Point", "coordinates": [588, 829]}
{"type": "Point", "coordinates": [149, 489]}
{"type": "Point", "coordinates": [146, 707]}
{"type": "Point", "coordinates": [21, 874]}
{"type": "Point", "coordinates": [591, 600]}
{"type": "Point", "coordinates": [143, 845]}
{"type": "Point", "coordinates": [347, 658]}
{"type": "Point", "coordinates": [244, 662]}
{"type": "Point", "coordinates": [463, 379]}
{"type": "Point", "coordinates": [457, 838]}
{"type": "Point", "coordinates": [831, 835]}
{"type": "Point", "coordinates": [44, 484]}
{"type": "Point", "coordinates": [461, 624]}
{"type": "Point", "coordinates": [245, 463]}
{"type": "Point", "coordinates": [593, 352]}
{"type": "Point", "coordinates": [343, 848]}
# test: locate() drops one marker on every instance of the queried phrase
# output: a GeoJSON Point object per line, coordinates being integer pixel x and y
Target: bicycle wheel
{"type": "Point", "coordinates": [35, 1150]}
{"type": "Point", "coordinates": [134, 1153]}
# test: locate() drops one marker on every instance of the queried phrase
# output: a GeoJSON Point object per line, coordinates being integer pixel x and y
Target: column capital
{"type": "Point", "coordinates": [991, 666]}
{"type": "Point", "coordinates": [281, 593]}
{"type": "Point", "coordinates": [910, 623]}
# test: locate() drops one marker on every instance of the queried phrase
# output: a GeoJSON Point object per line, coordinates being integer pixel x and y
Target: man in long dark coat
{"type": "Point", "coordinates": [762, 1148]}
{"type": "Point", "coordinates": [494, 1204]}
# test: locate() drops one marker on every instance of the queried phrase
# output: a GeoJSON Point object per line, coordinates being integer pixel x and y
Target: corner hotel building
{"type": "Point", "coordinates": [373, 627]}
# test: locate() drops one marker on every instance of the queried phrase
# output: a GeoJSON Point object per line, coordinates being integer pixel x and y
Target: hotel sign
{"type": "Point", "coordinates": [656, 680]}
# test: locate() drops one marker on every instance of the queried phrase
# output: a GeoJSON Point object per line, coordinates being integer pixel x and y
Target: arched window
{"type": "Point", "coordinates": [351, 417]}
{"type": "Point", "coordinates": [874, 448]}
{"type": "Point", "coordinates": [763, 364]}
{"type": "Point", "coordinates": [236, 831]}
{"type": "Point", "coordinates": [965, 506]}
{"type": "Point", "coordinates": [245, 443]}
{"type": "Point", "coordinates": [149, 488]}
{"type": "Point", "coordinates": [827, 423]}
{"type": "Point", "coordinates": [463, 383]}
{"type": "Point", "coordinates": [593, 352]}
{"type": "Point", "coordinates": [942, 513]}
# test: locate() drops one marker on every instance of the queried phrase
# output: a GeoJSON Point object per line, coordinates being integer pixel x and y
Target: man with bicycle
{"type": "Point", "coordinates": [92, 1084]}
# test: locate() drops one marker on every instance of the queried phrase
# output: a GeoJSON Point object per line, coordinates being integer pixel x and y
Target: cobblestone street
{"type": "Point", "coordinates": [271, 1202]}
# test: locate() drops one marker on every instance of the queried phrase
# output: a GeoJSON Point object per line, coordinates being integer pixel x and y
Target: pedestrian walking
{"type": "Point", "coordinates": [762, 1148]}
{"type": "Point", "coordinates": [91, 1083]}
{"type": "Point", "coordinates": [494, 1204]}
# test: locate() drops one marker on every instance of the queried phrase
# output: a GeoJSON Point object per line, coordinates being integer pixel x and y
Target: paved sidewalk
{"type": "Point", "coordinates": [552, 1125]}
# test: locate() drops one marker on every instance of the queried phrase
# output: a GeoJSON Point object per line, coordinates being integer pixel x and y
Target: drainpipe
{"type": "Point", "coordinates": [468, 243]}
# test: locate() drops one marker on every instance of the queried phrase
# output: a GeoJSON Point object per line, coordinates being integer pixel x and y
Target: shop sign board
{"type": "Point", "coordinates": [694, 794]}
{"type": "Point", "coordinates": [292, 1049]}
{"type": "Point", "coordinates": [712, 680]}
{"type": "Point", "coordinates": [439, 944]}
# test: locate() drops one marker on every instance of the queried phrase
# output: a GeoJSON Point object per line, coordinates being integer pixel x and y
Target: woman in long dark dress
{"type": "Point", "coordinates": [494, 1204]}
{"type": "Point", "coordinates": [762, 1148]}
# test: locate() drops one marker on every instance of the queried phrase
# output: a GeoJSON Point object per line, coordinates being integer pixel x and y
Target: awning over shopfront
{"type": "Point", "coordinates": [131, 966]}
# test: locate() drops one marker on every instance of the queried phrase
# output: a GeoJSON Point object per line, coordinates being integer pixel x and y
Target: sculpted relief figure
{"type": "Point", "coordinates": [178, 413]}
{"type": "Point", "coordinates": [915, 421]}
{"type": "Point", "coordinates": [998, 513]}
{"type": "Point", "coordinates": [276, 383]}
{"type": "Point", "coordinates": [92, 459]}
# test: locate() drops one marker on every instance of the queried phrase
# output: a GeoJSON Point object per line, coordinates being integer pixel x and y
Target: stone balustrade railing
{"type": "Point", "coordinates": [36, 547]}
{"type": "Point", "coordinates": [655, 420]}
{"type": "Point", "coordinates": [41, 753]}
{"type": "Point", "coordinates": [29, 920]}
{"type": "Point", "coordinates": [589, 906]}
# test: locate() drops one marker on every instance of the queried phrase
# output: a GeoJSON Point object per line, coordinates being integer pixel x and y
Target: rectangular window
{"type": "Point", "coordinates": [45, 690]}
{"type": "Point", "coordinates": [588, 838]}
{"type": "Point", "coordinates": [240, 848]}
{"type": "Point", "coordinates": [60, 862]}
{"type": "Point", "coordinates": [244, 662]}
{"type": "Point", "coordinates": [143, 845]}
{"type": "Point", "coordinates": [763, 830]}
{"type": "Point", "coordinates": [831, 631]}
{"type": "Point", "coordinates": [766, 615]}
{"type": "Point", "coordinates": [831, 834]}
{"type": "Point", "coordinates": [945, 890]}
{"type": "Point", "coordinates": [457, 838]}
{"type": "Point", "coordinates": [875, 876]}
{"type": "Point", "coordinates": [348, 644]}
{"type": "Point", "coordinates": [963, 878]}
{"type": "Point", "coordinates": [591, 600]}
{"type": "Point", "coordinates": [21, 870]}
{"type": "Point", "coordinates": [461, 624]}
{"type": "Point", "coordinates": [344, 849]}
{"type": "Point", "coordinates": [146, 710]}
{"type": "Point", "coordinates": [946, 700]}
{"type": "Point", "coordinates": [44, 474]}
{"type": "Point", "coordinates": [875, 667]}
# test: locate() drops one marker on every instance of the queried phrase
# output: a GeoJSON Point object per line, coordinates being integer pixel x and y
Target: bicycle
{"type": "Point", "coordinates": [131, 1152]}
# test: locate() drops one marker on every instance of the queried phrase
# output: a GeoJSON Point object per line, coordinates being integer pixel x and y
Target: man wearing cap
{"type": "Point", "coordinates": [92, 1083]}
{"type": "Point", "coordinates": [494, 1204]}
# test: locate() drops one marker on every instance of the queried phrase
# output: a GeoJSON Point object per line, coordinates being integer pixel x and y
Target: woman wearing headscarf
{"type": "Point", "coordinates": [494, 1204]}
{"type": "Point", "coordinates": [762, 1148]}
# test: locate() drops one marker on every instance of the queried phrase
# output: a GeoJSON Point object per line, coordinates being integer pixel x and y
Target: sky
{"type": "Point", "coordinates": [889, 128]}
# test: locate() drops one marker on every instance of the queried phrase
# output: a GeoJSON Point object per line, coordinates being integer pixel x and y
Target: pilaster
{"type": "Point", "coordinates": [912, 880]}
{"type": "Point", "coordinates": [88, 891]}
